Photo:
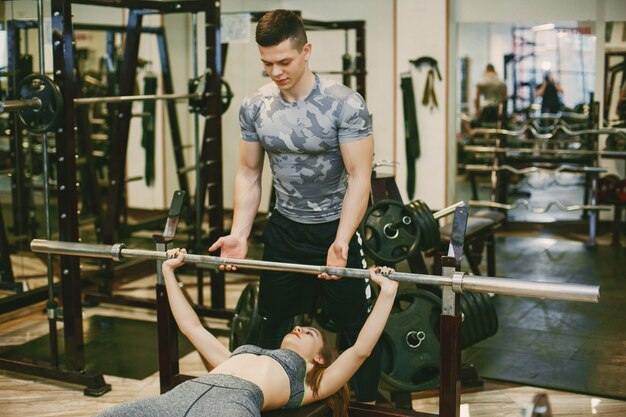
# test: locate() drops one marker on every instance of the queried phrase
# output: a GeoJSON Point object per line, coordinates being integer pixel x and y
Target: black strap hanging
{"type": "Point", "coordinates": [411, 131]}
{"type": "Point", "coordinates": [411, 128]}
{"type": "Point", "coordinates": [148, 126]}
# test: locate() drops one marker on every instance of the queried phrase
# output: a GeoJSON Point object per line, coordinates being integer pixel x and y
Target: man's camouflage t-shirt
{"type": "Point", "coordinates": [302, 142]}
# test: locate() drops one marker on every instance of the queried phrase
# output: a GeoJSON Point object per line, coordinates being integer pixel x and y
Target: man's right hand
{"type": "Point", "coordinates": [231, 247]}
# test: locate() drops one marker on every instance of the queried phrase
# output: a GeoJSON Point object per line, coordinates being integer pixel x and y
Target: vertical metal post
{"type": "Point", "coordinates": [360, 64]}
{"type": "Point", "coordinates": [211, 176]}
{"type": "Point", "coordinates": [19, 186]}
{"type": "Point", "coordinates": [51, 304]}
{"type": "Point", "coordinates": [172, 115]}
{"type": "Point", "coordinates": [450, 347]}
{"type": "Point", "coordinates": [167, 329]}
{"type": "Point", "coordinates": [593, 214]}
{"type": "Point", "coordinates": [196, 146]}
{"type": "Point", "coordinates": [121, 127]}
{"type": "Point", "coordinates": [450, 324]}
{"type": "Point", "coordinates": [63, 52]}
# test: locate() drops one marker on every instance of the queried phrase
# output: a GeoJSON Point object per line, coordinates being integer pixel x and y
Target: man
{"type": "Point", "coordinates": [493, 92]}
{"type": "Point", "coordinates": [549, 90]}
{"type": "Point", "coordinates": [318, 137]}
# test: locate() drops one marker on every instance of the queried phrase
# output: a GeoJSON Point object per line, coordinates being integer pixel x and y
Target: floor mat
{"type": "Point", "coordinates": [569, 346]}
{"type": "Point", "coordinates": [114, 346]}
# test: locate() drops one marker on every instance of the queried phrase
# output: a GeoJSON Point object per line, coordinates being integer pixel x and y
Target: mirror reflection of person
{"type": "Point", "coordinates": [550, 92]}
{"type": "Point", "coordinates": [490, 93]}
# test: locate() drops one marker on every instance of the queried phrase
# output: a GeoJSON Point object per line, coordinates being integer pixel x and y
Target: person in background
{"type": "Point", "coordinates": [491, 93]}
{"type": "Point", "coordinates": [550, 92]}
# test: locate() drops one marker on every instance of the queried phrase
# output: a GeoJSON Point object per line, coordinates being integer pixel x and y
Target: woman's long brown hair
{"type": "Point", "coordinates": [338, 402]}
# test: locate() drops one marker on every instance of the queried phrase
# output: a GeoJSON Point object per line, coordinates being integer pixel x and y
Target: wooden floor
{"type": "Point", "coordinates": [25, 396]}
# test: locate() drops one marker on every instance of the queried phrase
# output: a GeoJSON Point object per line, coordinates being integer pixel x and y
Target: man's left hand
{"type": "Point", "coordinates": [337, 257]}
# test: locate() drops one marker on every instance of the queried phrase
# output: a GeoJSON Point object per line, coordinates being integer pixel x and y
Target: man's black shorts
{"type": "Point", "coordinates": [283, 294]}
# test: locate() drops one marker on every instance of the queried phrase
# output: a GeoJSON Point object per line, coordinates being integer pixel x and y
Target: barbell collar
{"type": "Point", "coordinates": [457, 281]}
{"type": "Point", "coordinates": [116, 251]}
{"type": "Point", "coordinates": [17, 105]}
{"type": "Point", "coordinates": [504, 286]}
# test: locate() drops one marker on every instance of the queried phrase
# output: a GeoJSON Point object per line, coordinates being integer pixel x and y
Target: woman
{"type": "Point", "coordinates": [249, 380]}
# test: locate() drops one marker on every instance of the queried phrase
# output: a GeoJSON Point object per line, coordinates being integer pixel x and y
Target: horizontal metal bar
{"type": "Point", "coordinates": [448, 210]}
{"type": "Point", "coordinates": [572, 292]}
{"type": "Point", "coordinates": [16, 105]}
{"type": "Point", "coordinates": [531, 170]}
{"type": "Point", "coordinates": [493, 149]}
{"type": "Point", "coordinates": [530, 209]}
{"type": "Point", "coordinates": [120, 99]}
{"type": "Point", "coordinates": [558, 128]}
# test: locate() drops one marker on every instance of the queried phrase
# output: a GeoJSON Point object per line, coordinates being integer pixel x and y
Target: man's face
{"type": "Point", "coordinates": [284, 64]}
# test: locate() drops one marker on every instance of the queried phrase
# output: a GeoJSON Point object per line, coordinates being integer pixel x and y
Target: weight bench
{"type": "Point", "coordinates": [479, 233]}
{"type": "Point", "coordinates": [319, 409]}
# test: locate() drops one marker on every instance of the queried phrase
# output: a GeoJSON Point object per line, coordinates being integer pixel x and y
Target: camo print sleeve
{"type": "Point", "coordinates": [246, 119]}
{"type": "Point", "coordinates": [354, 119]}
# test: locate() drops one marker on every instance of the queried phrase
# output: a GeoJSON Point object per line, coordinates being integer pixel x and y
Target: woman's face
{"type": "Point", "coordinates": [306, 341]}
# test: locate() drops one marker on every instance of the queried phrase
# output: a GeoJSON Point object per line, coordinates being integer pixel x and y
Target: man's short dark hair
{"type": "Point", "coordinates": [276, 26]}
{"type": "Point", "coordinates": [490, 68]}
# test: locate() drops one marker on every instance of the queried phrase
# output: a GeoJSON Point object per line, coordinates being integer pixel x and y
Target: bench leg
{"type": "Point", "coordinates": [617, 225]}
{"type": "Point", "coordinates": [491, 255]}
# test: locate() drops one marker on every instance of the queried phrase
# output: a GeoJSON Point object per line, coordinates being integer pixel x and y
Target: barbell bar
{"type": "Point", "coordinates": [494, 149]}
{"type": "Point", "coordinates": [145, 97]}
{"type": "Point", "coordinates": [530, 209]}
{"type": "Point", "coordinates": [532, 170]}
{"type": "Point", "coordinates": [16, 105]}
{"type": "Point", "coordinates": [448, 210]}
{"type": "Point", "coordinates": [459, 282]}
{"type": "Point", "coordinates": [559, 128]}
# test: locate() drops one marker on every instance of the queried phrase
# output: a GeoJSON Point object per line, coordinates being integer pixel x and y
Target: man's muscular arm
{"type": "Point", "coordinates": [357, 158]}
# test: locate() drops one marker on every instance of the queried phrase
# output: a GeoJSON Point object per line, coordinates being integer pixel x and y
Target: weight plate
{"type": "Point", "coordinates": [480, 320]}
{"type": "Point", "coordinates": [45, 117]}
{"type": "Point", "coordinates": [246, 322]}
{"type": "Point", "coordinates": [430, 227]}
{"type": "Point", "coordinates": [410, 341]}
{"type": "Point", "coordinates": [492, 314]}
{"type": "Point", "coordinates": [433, 225]}
{"type": "Point", "coordinates": [467, 329]}
{"type": "Point", "coordinates": [390, 231]}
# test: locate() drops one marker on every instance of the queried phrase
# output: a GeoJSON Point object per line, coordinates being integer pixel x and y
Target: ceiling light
{"type": "Point", "coordinates": [547, 26]}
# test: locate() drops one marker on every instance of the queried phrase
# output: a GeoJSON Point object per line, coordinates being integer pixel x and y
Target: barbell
{"type": "Point", "coordinates": [458, 282]}
{"type": "Point", "coordinates": [40, 105]}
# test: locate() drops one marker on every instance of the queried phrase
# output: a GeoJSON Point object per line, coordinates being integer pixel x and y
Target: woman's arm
{"type": "Point", "coordinates": [541, 89]}
{"type": "Point", "coordinates": [207, 345]}
{"type": "Point", "coordinates": [346, 365]}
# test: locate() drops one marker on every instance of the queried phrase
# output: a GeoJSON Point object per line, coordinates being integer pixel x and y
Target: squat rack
{"type": "Point", "coordinates": [210, 172]}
